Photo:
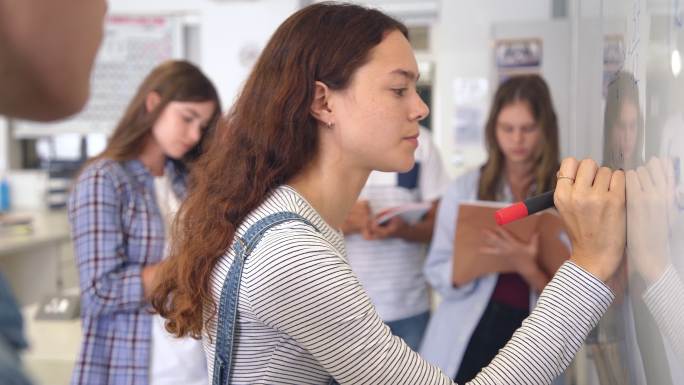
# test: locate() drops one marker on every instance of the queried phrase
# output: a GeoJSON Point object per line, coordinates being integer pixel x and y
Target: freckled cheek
{"type": "Point", "coordinates": [369, 106]}
{"type": "Point", "coordinates": [392, 116]}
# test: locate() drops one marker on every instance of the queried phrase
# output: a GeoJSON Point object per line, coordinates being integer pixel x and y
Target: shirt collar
{"type": "Point", "coordinates": [142, 174]}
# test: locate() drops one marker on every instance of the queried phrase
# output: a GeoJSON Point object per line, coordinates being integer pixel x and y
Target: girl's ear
{"type": "Point", "coordinates": [321, 108]}
{"type": "Point", "coordinates": [152, 101]}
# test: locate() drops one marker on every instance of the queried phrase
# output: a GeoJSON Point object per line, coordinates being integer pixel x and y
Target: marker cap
{"type": "Point", "coordinates": [510, 213]}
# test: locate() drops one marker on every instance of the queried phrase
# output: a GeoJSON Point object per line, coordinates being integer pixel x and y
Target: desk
{"type": "Point", "coordinates": [35, 263]}
{"type": "Point", "coordinates": [38, 264]}
{"type": "Point", "coordinates": [49, 227]}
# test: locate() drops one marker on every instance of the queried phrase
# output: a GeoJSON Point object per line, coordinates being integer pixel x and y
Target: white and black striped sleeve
{"type": "Point", "coordinates": [309, 292]}
{"type": "Point", "coordinates": [665, 300]}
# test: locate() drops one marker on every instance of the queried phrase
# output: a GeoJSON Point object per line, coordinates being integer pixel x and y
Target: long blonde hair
{"type": "Point", "coordinates": [533, 90]}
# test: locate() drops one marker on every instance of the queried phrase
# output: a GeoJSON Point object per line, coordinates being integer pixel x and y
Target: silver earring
{"type": "Point", "coordinates": [330, 124]}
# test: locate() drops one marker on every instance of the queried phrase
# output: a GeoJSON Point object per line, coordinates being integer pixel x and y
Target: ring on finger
{"type": "Point", "coordinates": [560, 176]}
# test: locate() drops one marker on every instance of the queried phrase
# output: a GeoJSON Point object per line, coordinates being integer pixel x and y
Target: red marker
{"type": "Point", "coordinates": [522, 209]}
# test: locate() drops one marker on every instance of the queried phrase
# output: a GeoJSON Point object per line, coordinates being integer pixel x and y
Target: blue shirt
{"type": "Point", "coordinates": [117, 230]}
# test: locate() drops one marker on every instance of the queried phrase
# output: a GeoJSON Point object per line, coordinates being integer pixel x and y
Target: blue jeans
{"type": "Point", "coordinates": [411, 329]}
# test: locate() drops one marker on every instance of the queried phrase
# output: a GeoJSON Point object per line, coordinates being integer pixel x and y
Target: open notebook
{"type": "Point", "coordinates": [411, 213]}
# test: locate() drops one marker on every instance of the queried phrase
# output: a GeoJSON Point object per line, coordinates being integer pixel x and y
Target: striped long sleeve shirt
{"type": "Point", "coordinates": [303, 316]}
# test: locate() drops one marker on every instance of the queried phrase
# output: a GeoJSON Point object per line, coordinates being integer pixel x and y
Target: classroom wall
{"type": "Point", "coordinates": [229, 30]}
{"type": "Point", "coordinates": [461, 37]}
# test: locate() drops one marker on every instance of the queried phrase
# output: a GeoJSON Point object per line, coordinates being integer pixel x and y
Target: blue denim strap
{"type": "Point", "coordinates": [227, 313]}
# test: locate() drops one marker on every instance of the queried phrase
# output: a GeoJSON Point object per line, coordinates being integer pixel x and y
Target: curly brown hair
{"type": "Point", "coordinates": [268, 137]}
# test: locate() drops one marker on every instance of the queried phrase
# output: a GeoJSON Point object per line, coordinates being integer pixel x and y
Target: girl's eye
{"type": "Point", "coordinates": [399, 91]}
{"type": "Point", "coordinates": [187, 119]}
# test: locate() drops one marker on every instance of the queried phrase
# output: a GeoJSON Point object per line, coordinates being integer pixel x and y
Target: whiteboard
{"type": "Point", "coordinates": [627, 107]}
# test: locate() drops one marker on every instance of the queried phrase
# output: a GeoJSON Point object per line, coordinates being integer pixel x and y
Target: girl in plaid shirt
{"type": "Point", "coordinates": [118, 228]}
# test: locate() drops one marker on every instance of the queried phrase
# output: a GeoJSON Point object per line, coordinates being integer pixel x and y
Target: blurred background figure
{"type": "Point", "coordinates": [121, 210]}
{"type": "Point", "coordinates": [522, 142]}
{"type": "Point", "coordinates": [388, 258]}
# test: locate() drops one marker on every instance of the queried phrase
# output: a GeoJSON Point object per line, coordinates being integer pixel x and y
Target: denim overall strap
{"type": "Point", "coordinates": [231, 288]}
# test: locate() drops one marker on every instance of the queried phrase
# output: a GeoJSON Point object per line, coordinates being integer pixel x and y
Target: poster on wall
{"type": "Point", "coordinates": [470, 109]}
{"type": "Point", "coordinates": [132, 46]}
{"type": "Point", "coordinates": [517, 57]}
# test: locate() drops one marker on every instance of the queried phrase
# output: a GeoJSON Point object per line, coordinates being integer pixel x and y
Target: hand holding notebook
{"type": "Point", "coordinates": [410, 213]}
{"type": "Point", "coordinates": [474, 218]}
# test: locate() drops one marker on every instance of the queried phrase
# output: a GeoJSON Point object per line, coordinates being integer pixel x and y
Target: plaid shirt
{"type": "Point", "coordinates": [117, 230]}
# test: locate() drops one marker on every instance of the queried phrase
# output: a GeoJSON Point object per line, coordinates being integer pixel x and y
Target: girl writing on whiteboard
{"type": "Point", "coordinates": [259, 269]}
